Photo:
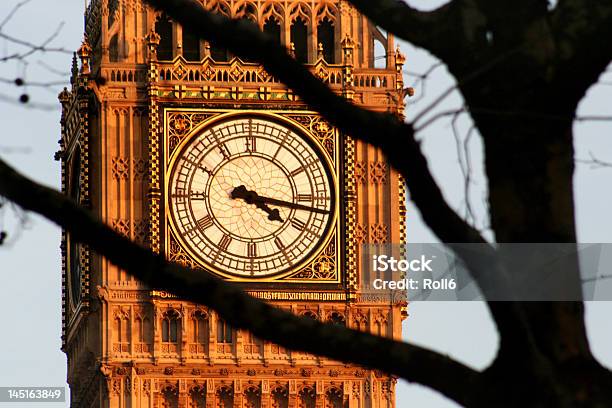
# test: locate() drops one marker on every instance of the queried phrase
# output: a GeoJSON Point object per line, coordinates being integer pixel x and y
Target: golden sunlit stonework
{"type": "Point", "coordinates": [206, 158]}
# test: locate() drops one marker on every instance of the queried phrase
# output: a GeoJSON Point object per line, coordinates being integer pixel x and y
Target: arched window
{"type": "Point", "coordinates": [225, 397]}
{"type": "Point", "coordinates": [219, 54]}
{"type": "Point", "coordinates": [333, 398]}
{"type": "Point", "coordinates": [170, 327]}
{"type": "Point", "coordinates": [120, 329]}
{"type": "Point", "coordinates": [246, 20]}
{"type": "Point", "coordinates": [310, 314]}
{"type": "Point", "coordinates": [380, 55]}
{"type": "Point", "coordinates": [169, 397]}
{"type": "Point", "coordinates": [113, 49]}
{"type": "Point", "coordinates": [191, 46]}
{"type": "Point", "coordinates": [163, 27]}
{"type": "Point", "coordinates": [273, 29]}
{"type": "Point", "coordinates": [307, 398]}
{"type": "Point", "coordinates": [138, 329]}
{"type": "Point", "coordinates": [200, 327]}
{"type": "Point", "coordinates": [280, 397]}
{"type": "Point", "coordinates": [252, 397]}
{"type": "Point", "coordinates": [325, 37]}
{"type": "Point", "coordinates": [299, 34]}
{"type": "Point", "coordinates": [142, 329]}
{"type": "Point", "coordinates": [224, 332]}
{"type": "Point", "coordinates": [337, 318]}
{"type": "Point", "coordinates": [197, 397]}
{"type": "Point", "coordinates": [360, 322]}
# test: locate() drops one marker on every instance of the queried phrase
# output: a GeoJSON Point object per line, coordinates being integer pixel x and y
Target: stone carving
{"type": "Point", "coordinates": [120, 168]}
{"type": "Point", "coordinates": [180, 125]}
{"type": "Point", "coordinates": [360, 234]}
{"type": "Point", "coordinates": [361, 172]}
{"type": "Point", "coordinates": [323, 268]}
{"type": "Point", "coordinates": [378, 233]}
{"type": "Point", "coordinates": [378, 172]}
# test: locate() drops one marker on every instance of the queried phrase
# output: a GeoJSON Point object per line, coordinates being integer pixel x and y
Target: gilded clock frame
{"type": "Point", "coordinates": [328, 255]}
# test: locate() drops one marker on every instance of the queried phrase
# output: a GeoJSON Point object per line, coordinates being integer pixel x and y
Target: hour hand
{"type": "Point", "coordinates": [251, 197]}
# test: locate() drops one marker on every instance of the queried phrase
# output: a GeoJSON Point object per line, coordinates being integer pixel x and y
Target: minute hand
{"type": "Point", "coordinates": [289, 204]}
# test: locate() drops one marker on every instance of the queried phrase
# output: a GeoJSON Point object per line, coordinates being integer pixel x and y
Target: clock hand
{"type": "Point", "coordinates": [288, 204]}
{"type": "Point", "coordinates": [251, 197]}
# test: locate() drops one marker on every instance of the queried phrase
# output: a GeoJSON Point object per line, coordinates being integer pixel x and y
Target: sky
{"type": "Point", "coordinates": [30, 292]}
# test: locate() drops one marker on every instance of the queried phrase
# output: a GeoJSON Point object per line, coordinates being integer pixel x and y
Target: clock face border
{"type": "Point", "coordinates": [328, 248]}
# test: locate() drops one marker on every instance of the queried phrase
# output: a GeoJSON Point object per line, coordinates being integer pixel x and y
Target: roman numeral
{"type": "Point", "coordinates": [225, 241]}
{"type": "Point", "coordinates": [251, 144]}
{"type": "Point", "coordinates": [193, 195]}
{"type": "Point", "coordinates": [205, 222]}
{"type": "Point", "coordinates": [196, 195]}
{"type": "Point", "coordinates": [251, 249]}
{"type": "Point", "coordinates": [298, 224]}
{"type": "Point", "coordinates": [222, 147]}
{"type": "Point", "coordinates": [297, 171]}
{"type": "Point", "coordinates": [304, 197]}
{"type": "Point", "coordinates": [224, 151]}
{"type": "Point", "coordinates": [281, 144]}
{"type": "Point", "coordinates": [279, 243]}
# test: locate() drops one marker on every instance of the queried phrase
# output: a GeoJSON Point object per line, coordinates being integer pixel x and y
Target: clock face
{"type": "Point", "coordinates": [251, 198]}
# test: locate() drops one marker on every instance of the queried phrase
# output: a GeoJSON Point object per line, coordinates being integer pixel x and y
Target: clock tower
{"type": "Point", "coordinates": [206, 158]}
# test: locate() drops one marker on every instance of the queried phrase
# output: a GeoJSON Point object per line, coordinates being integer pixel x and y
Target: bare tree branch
{"type": "Point", "coordinates": [21, 82]}
{"type": "Point", "coordinates": [12, 13]}
{"type": "Point", "coordinates": [33, 48]}
{"type": "Point", "coordinates": [27, 104]}
{"type": "Point", "coordinates": [241, 310]}
{"type": "Point", "coordinates": [594, 162]}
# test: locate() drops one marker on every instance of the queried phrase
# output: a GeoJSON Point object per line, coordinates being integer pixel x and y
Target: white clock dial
{"type": "Point", "coordinates": [250, 197]}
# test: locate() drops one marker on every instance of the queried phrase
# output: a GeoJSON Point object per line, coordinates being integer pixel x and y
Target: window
{"type": "Point", "coordinates": [325, 37]}
{"type": "Point", "coordinates": [333, 398]}
{"type": "Point", "coordinates": [273, 29]}
{"type": "Point", "coordinates": [246, 20]}
{"type": "Point", "coordinates": [280, 397]}
{"type": "Point", "coordinates": [169, 397]}
{"type": "Point", "coordinates": [307, 398]}
{"type": "Point", "coordinates": [299, 34]}
{"type": "Point", "coordinates": [170, 327]}
{"type": "Point", "coordinates": [191, 46]}
{"type": "Point", "coordinates": [219, 54]}
{"type": "Point", "coordinates": [225, 397]}
{"type": "Point", "coordinates": [337, 318]}
{"type": "Point", "coordinates": [309, 314]}
{"type": "Point", "coordinates": [113, 49]}
{"type": "Point", "coordinates": [121, 329]}
{"type": "Point", "coordinates": [200, 328]}
{"type": "Point", "coordinates": [197, 397]}
{"type": "Point", "coordinates": [253, 397]}
{"type": "Point", "coordinates": [163, 27]}
{"type": "Point", "coordinates": [380, 55]}
{"type": "Point", "coordinates": [142, 329]}
{"type": "Point", "coordinates": [224, 332]}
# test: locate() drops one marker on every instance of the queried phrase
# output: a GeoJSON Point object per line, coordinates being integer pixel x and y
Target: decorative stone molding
{"type": "Point", "coordinates": [379, 233]}
{"type": "Point", "coordinates": [378, 172]}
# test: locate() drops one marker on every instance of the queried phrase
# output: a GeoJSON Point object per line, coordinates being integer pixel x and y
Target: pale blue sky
{"type": "Point", "coordinates": [30, 264]}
